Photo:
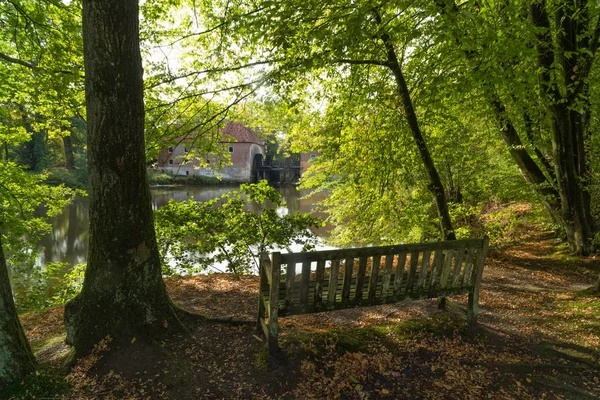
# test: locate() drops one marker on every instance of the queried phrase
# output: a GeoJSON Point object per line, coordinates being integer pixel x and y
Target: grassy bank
{"type": "Point", "coordinates": [160, 178]}
{"type": "Point", "coordinates": [77, 179]}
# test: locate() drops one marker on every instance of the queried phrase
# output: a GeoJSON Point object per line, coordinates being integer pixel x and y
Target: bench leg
{"type": "Point", "coordinates": [260, 317]}
{"type": "Point", "coordinates": [472, 310]}
{"type": "Point", "coordinates": [273, 343]}
{"type": "Point", "coordinates": [442, 303]}
{"type": "Point", "coordinates": [273, 328]}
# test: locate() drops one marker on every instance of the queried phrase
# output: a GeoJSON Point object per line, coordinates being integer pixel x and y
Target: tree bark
{"type": "Point", "coordinates": [123, 292]}
{"type": "Point", "coordinates": [16, 357]}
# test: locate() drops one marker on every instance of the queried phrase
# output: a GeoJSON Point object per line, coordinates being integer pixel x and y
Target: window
{"type": "Point", "coordinates": [231, 149]}
{"type": "Point", "coordinates": [171, 162]}
{"type": "Point", "coordinates": [313, 156]}
{"type": "Point", "coordinates": [171, 149]}
{"type": "Point", "coordinates": [185, 150]}
{"type": "Point", "coordinates": [187, 172]}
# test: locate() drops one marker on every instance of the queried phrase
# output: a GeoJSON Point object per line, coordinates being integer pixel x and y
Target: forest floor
{"type": "Point", "coordinates": [538, 338]}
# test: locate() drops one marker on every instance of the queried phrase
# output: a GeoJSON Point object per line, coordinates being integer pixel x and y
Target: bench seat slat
{"type": "Point", "coordinates": [304, 283]}
{"type": "Point", "coordinates": [424, 269]}
{"type": "Point", "coordinates": [374, 278]}
{"type": "Point", "coordinates": [319, 275]}
{"type": "Point", "coordinates": [360, 279]}
{"type": "Point", "coordinates": [348, 265]}
{"type": "Point", "coordinates": [469, 266]}
{"type": "Point", "coordinates": [436, 269]}
{"type": "Point", "coordinates": [333, 278]}
{"type": "Point", "coordinates": [387, 276]}
{"type": "Point", "coordinates": [399, 274]}
{"type": "Point", "coordinates": [414, 260]}
{"type": "Point", "coordinates": [458, 266]}
{"type": "Point", "coordinates": [290, 281]}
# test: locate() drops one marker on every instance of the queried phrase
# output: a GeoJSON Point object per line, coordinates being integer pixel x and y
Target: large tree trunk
{"type": "Point", "coordinates": [16, 358]}
{"type": "Point", "coordinates": [123, 293]}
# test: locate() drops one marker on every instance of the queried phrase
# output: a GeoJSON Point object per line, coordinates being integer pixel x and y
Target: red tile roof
{"type": "Point", "coordinates": [240, 133]}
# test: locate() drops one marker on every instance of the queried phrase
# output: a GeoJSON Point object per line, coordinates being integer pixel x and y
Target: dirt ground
{"type": "Point", "coordinates": [538, 338]}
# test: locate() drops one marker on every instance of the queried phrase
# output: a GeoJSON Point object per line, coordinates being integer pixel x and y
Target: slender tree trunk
{"type": "Point", "coordinates": [16, 358]}
{"type": "Point", "coordinates": [69, 157]}
{"type": "Point", "coordinates": [435, 186]}
{"type": "Point", "coordinates": [123, 293]}
{"type": "Point", "coordinates": [530, 170]}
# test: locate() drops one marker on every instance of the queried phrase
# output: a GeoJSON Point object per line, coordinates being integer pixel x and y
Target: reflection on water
{"type": "Point", "coordinates": [68, 239]}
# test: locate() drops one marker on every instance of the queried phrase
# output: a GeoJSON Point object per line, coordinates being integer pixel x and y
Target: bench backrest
{"type": "Point", "coordinates": [334, 279]}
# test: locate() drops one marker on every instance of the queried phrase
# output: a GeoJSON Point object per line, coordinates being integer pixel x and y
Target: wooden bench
{"type": "Point", "coordinates": [336, 279]}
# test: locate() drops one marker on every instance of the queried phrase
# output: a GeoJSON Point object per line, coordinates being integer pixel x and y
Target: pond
{"type": "Point", "coordinates": [68, 239]}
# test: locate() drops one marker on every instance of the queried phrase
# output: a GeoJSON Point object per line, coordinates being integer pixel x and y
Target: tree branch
{"type": "Point", "coordinates": [13, 60]}
{"type": "Point", "coordinates": [212, 70]}
{"type": "Point", "coordinates": [362, 62]}
{"type": "Point", "coordinates": [539, 19]}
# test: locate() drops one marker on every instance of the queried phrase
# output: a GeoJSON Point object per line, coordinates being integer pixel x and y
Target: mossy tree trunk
{"type": "Point", "coordinates": [123, 293]}
{"type": "Point", "coordinates": [16, 358]}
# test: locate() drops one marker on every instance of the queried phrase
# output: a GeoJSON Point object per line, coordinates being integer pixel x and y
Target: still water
{"type": "Point", "coordinates": [68, 239]}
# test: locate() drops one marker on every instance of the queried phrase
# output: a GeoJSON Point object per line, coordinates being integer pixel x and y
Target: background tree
{"type": "Point", "coordinates": [21, 194]}
{"type": "Point", "coordinates": [123, 293]}
{"type": "Point", "coordinates": [32, 52]}
{"type": "Point", "coordinates": [535, 79]}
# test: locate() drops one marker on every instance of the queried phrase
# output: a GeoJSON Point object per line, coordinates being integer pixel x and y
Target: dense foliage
{"type": "Point", "coordinates": [233, 229]}
{"type": "Point", "coordinates": [443, 85]}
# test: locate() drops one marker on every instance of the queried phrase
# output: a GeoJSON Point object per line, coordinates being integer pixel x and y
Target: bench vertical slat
{"type": "Point", "coordinates": [304, 283]}
{"type": "Point", "coordinates": [387, 276]}
{"type": "Point", "coordinates": [360, 279]}
{"type": "Point", "coordinates": [460, 256]}
{"type": "Point", "coordinates": [263, 287]}
{"type": "Point", "coordinates": [273, 342]}
{"type": "Point", "coordinates": [399, 275]}
{"type": "Point", "coordinates": [448, 257]}
{"type": "Point", "coordinates": [436, 268]}
{"type": "Point", "coordinates": [347, 279]}
{"type": "Point", "coordinates": [424, 270]}
{"type": "Point", "coordinates": [290, 280]}
{"type": "Point", "coordinates": [469, 266]}
{"type": "Point", "coordinates": [410, 281]}
{"type": "Point", "coordinates": [319, 275]}
{"type": "Point", "coordinates": [333, 278]}
{"type": "Point", "coordinates": [373, 279]}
